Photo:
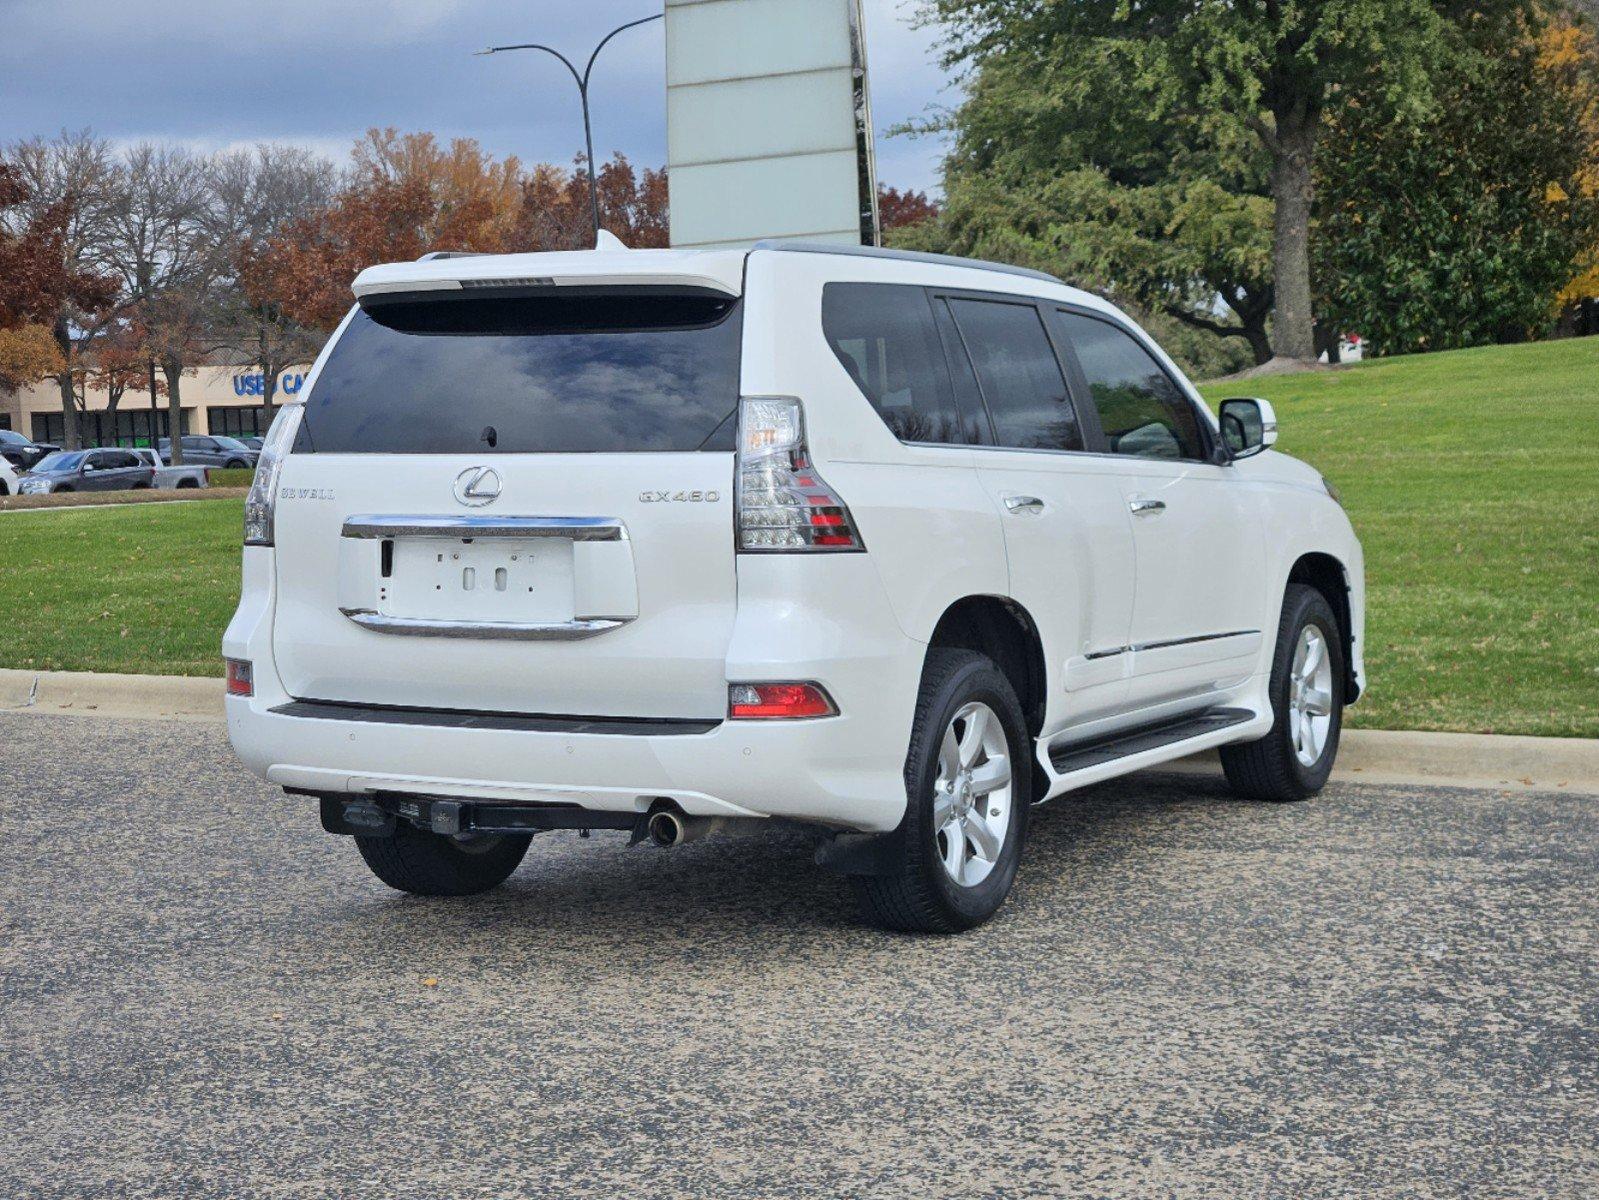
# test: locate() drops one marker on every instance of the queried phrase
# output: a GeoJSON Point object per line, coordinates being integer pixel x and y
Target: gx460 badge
{"type": "Point", "coordinates": [679, 497]}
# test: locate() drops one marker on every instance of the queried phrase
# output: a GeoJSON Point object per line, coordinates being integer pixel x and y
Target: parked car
{"type": "Point", "coordinates": [172, 477]}
{"type": "Point", "coordinates": [889, 545]}
{"type": "Point", "coordinates": [96, 470]}
{"type": "Point", "coordinates": [207, 451]}
{"type": "Point", "coordinates": [8, 477]}
{"type": "Point", "coordinates": [254, 443]}
{"type": "Point", "coordinates": [22, 452]}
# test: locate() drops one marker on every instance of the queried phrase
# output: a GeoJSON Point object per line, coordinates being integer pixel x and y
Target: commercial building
{"type": "Point", "coordinates": [220, 397]}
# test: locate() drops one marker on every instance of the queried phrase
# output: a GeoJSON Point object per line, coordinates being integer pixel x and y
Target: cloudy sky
{"type": "Point", "coordinates": [214, 73]}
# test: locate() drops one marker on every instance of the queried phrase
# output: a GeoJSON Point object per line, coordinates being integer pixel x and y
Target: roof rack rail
{"type": "Point", "coordinates": [947, 260]}
{"type": "Point", "coordinates": [435, 255]}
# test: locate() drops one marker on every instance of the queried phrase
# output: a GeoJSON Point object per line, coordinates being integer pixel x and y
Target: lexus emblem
{"type": "Point", "coordinates": [477, 486]}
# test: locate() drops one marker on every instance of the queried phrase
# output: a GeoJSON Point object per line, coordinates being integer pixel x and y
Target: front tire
{"type": "Point", "coordinates": [434, 864]}
{"type": "Point", "coordinates": [1293, 760]}
{"type": "Point", "coordinates": [967, 775]}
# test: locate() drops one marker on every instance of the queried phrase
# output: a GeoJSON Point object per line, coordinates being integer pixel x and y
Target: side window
{"type": "Point", "coordinates": [1019, 374]}
{"type": "Point", "coordinates": [883, 335]}
{"type": "Point", "coordinates": [1141, 409]}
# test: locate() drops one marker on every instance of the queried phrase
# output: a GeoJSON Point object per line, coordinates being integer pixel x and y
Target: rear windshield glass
{"type": "Point", "coordinates": [531, 374]}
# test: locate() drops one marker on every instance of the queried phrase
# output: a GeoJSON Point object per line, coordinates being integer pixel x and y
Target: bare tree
{"type": "Point", "coordinates": [156, 243]}
{"type": "Point", "coordinates": [254, 196]}
{"type": "Point", "coordinates": [71, 188]}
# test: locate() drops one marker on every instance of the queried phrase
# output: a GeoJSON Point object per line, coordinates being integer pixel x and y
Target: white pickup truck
{"type": "Point", "coordinates": [173, 477]}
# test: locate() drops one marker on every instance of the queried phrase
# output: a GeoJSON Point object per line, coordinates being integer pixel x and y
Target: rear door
{"type": "Point", "coordinates": [1067, 535]}
{"type": "Point", "coordinates": [512, 503]}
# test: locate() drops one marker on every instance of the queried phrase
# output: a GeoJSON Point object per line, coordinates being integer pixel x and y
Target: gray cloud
{"type": "Point", "coordinates": [319, 72]}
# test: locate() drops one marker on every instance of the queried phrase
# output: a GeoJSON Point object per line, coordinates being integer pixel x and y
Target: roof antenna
{"type": "Point", "coordinates": [606, 240]}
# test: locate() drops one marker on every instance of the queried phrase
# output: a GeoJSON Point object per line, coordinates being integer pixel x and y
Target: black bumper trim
{"type": "Point", "coordinates": [450, 718]}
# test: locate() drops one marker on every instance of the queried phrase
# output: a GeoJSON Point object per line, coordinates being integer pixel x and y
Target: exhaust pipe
{"type": "Point", "coordinates": [668, 827]}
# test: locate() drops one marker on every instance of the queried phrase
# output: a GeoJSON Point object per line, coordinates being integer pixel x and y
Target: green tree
{"type": "Point", "coordinates": [1217, 69]}
{"type": "Point", "coordinates": [1460, 225]}
{"type": "Point", "coordinates": [1065, 160]}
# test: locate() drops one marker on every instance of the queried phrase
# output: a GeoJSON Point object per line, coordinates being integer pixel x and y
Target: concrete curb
{"type": "Point", "coordinates": [1366, 756]}
{"type": "Point", "coordinates": [1458, 759]}
{"type": "Point", "coordinates": [90, 693]}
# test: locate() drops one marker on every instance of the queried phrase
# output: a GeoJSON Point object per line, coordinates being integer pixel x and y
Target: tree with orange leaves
{"type": "Point", "coordinates": [1569, 57]}
{"type": "Point", "coordinates": [406, 195]}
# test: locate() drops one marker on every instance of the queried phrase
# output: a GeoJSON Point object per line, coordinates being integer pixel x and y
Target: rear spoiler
{"type": "Point", "coordinates": [386, 288]}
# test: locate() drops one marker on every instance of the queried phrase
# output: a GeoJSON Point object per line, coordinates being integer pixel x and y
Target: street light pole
{"type": "Point", "coordinates": [582, 81]}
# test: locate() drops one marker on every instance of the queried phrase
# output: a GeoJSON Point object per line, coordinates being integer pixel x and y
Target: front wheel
{"type": "Point", "coordinates": [434, 864]}
{"type": "Point", "coordinates": [1293, 760]}
{"type": "Point", "coordinates": [966, 780]}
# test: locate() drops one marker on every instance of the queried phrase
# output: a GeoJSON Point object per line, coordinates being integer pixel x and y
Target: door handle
{"type": "Point", "coordinates": [1142, 504]}
{"type": "Point", "coordinates": [1024, 504]}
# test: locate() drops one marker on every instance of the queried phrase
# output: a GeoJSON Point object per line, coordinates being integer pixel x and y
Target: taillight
{"type": "Point", "coordinates": [261, 505]}
{"type": "Point", "coordinates": [768, 701]}
{"type": "Point", "coordinates": [241, 677]}
{"type": "Point", "coordinates": [783, 504]}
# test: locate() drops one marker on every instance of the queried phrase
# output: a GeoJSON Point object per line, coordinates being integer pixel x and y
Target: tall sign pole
{"type": "Point", "coordinates": [769, 122]}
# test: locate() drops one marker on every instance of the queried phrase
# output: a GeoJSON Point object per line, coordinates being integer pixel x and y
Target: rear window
{"type": "Point", "coordinates": [883, 335]}
{"type": "Point", "coordinates": [518, 375]}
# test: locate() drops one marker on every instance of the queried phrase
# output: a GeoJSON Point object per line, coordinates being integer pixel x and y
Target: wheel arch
{"type": "Point", "coordinates": [1329, 576]}
{"type": "Point", "coordinates": [1004, 631]}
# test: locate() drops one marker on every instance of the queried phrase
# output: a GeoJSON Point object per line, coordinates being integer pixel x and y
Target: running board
{"type": "Point", "coordinates": [1083, 756]}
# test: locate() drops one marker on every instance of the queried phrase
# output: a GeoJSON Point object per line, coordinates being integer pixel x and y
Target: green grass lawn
{"type": "Point", "coordinates": [142, 588]}
{"type": "Point", "coordinates": [1472, 478]}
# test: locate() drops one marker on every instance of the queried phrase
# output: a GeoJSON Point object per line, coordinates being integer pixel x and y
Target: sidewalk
{"type": "Point", "coordinates": [1366, 755]}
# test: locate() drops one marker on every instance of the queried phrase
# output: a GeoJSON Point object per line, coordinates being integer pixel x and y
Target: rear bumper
{"type": "Point", "coordinates": [834, 770]}
{"type": "Point", "coordinates": [844, 771]}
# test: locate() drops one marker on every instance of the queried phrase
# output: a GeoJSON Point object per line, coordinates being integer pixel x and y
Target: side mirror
{"type": "Point", "coordinates": [1248, 426]}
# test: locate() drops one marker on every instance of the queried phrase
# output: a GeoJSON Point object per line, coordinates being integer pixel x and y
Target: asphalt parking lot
{"type": "Point", "coordinates": [1386, 992]}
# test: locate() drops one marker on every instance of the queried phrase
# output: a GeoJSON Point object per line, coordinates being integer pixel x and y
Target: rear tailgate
{"type": "Point", "coordinates": [538, 616]}
{"type": "Point", "coordinates": [516, 503]}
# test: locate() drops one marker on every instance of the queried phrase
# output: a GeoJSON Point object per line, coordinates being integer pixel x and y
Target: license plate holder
{"type": "Point", "coordinates": [497, 579]}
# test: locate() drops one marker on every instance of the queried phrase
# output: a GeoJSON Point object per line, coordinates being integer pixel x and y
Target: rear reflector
{"type": "Point", "coordinates": [241, 679]}
{"type": "Point", "coordinates": [769, 701]}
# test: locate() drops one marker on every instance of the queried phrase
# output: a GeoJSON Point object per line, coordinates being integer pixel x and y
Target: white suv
{"type": "Point", "coordinates": [895, 546]}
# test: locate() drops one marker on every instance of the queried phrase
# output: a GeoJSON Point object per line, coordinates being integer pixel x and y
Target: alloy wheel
{"type": "Point", "coordinates": [972, 795]}
{"type": "Point", "coordinates": [1310, 696]}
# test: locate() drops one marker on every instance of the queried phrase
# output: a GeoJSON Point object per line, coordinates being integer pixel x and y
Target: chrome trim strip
{"type": "Point", "coordinates": [577, 529]}
{"type": "Point", "coordinates": [513, 631]}
{"type": "Point", "coordinates": [1188, 641]}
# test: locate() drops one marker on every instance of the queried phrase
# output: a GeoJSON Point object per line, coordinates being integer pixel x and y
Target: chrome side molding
{"type": "Point", "coordinates": [513, 631]}
{"type": "Point", "coordinates": [577, 529]}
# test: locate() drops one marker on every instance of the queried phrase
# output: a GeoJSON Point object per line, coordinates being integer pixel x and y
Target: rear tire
{"type": "Point", "coordinates": [956, 852]}
{"type": "Point", "coordinates": [1275, 767]}
{"type": "Point", "coordinates": [434, 864]}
